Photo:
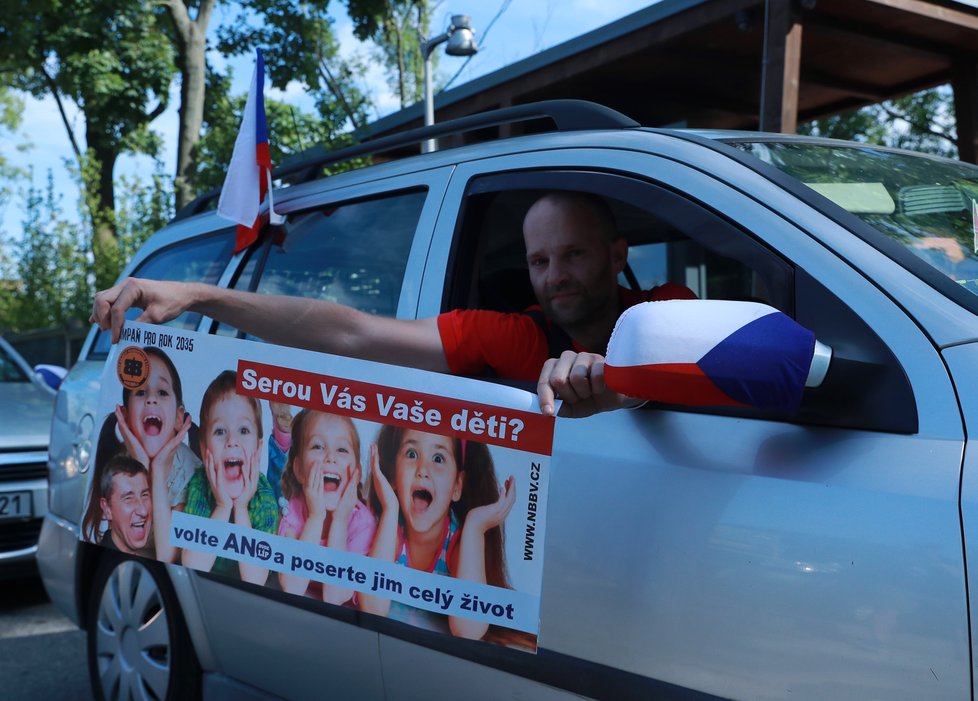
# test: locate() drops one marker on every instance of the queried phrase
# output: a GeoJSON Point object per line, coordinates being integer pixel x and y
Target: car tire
{"type": "Point", "coordinates": [138, 646]}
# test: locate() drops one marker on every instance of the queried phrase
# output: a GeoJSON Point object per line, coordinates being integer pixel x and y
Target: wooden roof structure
{"type": "Point", "coordinates": [743, 64]}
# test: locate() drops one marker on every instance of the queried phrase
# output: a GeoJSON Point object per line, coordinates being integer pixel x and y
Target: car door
{"type": "Point", "coordinates": [738, 553]}
{"type": "Point", "coordinates": [363, 245]}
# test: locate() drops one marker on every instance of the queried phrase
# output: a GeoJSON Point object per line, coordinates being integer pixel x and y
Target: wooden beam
{"type": "Point", "coordinates": [889, 40]}
{"type": "Point", "coordinates": [932, 10]}
{"type": "Point", "coordinates": [780, 68]}
{"type": "Point", "coordinates": [964, 81]}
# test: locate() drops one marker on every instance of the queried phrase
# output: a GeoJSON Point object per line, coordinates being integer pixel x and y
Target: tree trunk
{"type": "Point", "coordinates": [191, 115]}
{"type": "Point", "coordinates": [191, 46]}
{"type": "Point", "coordinates": [100, 194]}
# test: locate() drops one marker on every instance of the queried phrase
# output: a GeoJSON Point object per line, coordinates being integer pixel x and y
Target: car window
{"type": "Point", "coordinates": [10, 371]}
{"type": "Point", "coordinates": [202, 259]}
{"type": "Point", "coordinates": [670, 240]}
{"type": "Point", "coordinates": [674, 238]}
{"type": "Point", "coordinates": [353, 253]}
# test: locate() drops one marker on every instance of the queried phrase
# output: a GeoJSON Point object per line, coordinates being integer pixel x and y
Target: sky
{"type": "Point", "coordinates": [522, 28]}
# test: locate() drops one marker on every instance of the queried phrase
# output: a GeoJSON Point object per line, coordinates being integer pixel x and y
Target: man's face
{"type": "Point", "coordinates": [573, 267]}
{"type": "Point", "coordinates": [129, 510]}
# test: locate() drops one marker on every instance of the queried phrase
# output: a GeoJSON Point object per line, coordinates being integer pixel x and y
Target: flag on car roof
{"type": "Point", "coordinates": [249, 175]}
{"type": "Point", "coordinates": [710, 353]}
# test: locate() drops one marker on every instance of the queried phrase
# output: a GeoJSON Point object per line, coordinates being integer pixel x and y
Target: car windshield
{"type": "Point", "coordinates": [928, 205]}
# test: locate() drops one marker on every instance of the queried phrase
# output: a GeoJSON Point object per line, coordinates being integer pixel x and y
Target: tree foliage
{"type": "Point", "coordinates": [48, 282]}
{"type": "Point", "coordinates": [52, 276]}
{"type": "Point", "coordinates": [291, 131]}
{"type": "Point", "coordinates": [299, 46]}
{"type": "Point", "coordinates": [111, 61]}
{"type": "Point", "coordinates": [923, 121]}
{"type": "Point", "coordinates": [11, 108]}
{"type": "Point", "coordinates": [396, 27]}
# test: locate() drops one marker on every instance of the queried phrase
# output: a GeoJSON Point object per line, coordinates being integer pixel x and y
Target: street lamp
{"type": "Point", "coordinates": [461, 42]}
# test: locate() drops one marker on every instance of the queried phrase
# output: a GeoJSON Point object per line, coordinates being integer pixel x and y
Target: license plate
{"type": "Point", "coordinates": [15, 505]}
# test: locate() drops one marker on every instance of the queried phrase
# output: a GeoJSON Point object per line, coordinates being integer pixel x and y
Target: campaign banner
{"type": "Point", "coordinates": [412, 495]}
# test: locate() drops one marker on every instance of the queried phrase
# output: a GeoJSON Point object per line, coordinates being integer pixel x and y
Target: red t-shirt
{"type": "Point", "coordinates": [512, 345]}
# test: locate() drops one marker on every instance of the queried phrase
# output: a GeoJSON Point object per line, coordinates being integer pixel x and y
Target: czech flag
{"type": "Point", "coordinates": [249, 174]}
{"type": "Point", "coordinates": [710, 353]}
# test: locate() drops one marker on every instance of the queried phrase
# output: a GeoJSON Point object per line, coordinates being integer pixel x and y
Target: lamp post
{"type": "Point", "coordinates": [461, 42]}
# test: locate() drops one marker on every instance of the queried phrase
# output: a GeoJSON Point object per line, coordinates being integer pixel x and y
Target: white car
{"type": "Point", "coordinates": [26, 405]}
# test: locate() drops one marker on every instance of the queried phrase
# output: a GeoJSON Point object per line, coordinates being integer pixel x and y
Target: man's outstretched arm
{"type": "Point", "coordinates": [299, 322]}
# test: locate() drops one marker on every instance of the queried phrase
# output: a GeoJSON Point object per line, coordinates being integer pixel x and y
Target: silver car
{"type": "Point", "coordinates": [690, 552]}
{"type": "Point", "coordinates": [26, 404]}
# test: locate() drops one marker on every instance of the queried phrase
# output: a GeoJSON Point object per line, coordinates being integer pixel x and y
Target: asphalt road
{"type": "Point", "coordinates": [42, 654]}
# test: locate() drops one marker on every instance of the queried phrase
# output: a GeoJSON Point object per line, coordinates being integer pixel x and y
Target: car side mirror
{"type": "Point", "coordinates": [51, 375]}
{"type": "Point", "coordinates": [714, 353]}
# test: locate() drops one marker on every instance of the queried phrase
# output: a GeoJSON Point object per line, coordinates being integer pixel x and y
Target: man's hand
{"type": "Point", "coordinates": [160, 301]}
{"type": "Point", "coordinates": [578, 379]}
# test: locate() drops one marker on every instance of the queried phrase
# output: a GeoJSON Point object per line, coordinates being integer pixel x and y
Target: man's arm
{"type": "Point", "coordinates": [299, 322]}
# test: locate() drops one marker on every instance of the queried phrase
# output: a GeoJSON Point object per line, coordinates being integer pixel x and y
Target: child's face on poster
{"type": "Point", "coordinates": [231, 439]}
{"type": "Point", "coordinates": [128, 510]}
{"type": "Point", "coordinates": [151, 411]}
{"type": "Point", "coordinates": [327, 442]}
{"type": "Point", "coordinates": [427, 479]}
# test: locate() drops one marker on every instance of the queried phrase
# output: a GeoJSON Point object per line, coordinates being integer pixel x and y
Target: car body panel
{"type": "Point", "coordinates": [962, 361]}
{"type": "Point", "coordinates": [724, 554]}
{"type": "Point", "coordinates": [755, 551]}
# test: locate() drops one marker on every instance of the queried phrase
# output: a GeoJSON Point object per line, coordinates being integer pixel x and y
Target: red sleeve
{"type": "Point", "coordinates": [512, 345]}
{"type": "Point", "coordinates": [669, 290]}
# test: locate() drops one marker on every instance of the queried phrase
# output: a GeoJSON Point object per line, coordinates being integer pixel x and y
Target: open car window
{"type": "Point", "coordinates": [670, 240]}
{"type": "Point", "coordinates": [674, 238]}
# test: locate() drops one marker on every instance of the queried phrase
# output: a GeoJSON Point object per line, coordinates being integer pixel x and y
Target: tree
{"type": "Point", "coordinates": [110, 59]}
{"type": "Point", "coordinates": [49, 278]}
{"type": "Point", "coordinates": [291, 131]}
{"type": "Point", "coordinates": [299, 45]}
{"type": "Point", "coordinates": [396, 26]}
{"type": "Point", "coordinates": [923, 121]}
{"type": "Point", "coordinates": [191, 47]}
{"type": "Point", "coordinates": [10, 110]}
{"type": "Point", "coordinates": [48, 281]}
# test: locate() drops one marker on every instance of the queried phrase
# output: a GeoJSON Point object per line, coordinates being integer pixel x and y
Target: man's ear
{"type": "Point", "coordinates": [106, 512]}
{"type": "Point", "coordinates": [619, 254]}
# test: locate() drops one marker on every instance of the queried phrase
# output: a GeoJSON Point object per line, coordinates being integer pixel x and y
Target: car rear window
{"type": "Point", "coordinates": [202, 259]}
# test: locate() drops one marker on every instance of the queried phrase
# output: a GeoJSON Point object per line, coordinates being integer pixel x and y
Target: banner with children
{"type": "Point", "coordinates": [407, 494]}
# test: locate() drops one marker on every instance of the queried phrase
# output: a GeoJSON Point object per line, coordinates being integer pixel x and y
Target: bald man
{"type": "Point", "coordinates": [574, 254]}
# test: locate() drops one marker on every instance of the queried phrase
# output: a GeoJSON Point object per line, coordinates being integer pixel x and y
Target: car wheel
{"type": "Point", "coordinates": [138, 646]}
